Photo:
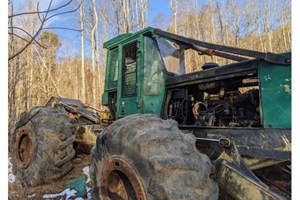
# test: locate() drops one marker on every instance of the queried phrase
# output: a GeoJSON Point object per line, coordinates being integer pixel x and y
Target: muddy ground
{"type": "Point", "coordinates": [17, 191]}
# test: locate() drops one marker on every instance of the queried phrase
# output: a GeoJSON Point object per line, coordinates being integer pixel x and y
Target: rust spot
{"type": "Point", "coordinates": [73, 117]}
{"type": "Point", "coordinates": [25, 147]}
{"type": "Point", "coordinates": [119, 179]}
{"type": "Point", "coordinates": [80, 133]}
{"type": "Point", "coordinates": [81, 130]}
{"type": "Point", "coordinates": [210, 52]}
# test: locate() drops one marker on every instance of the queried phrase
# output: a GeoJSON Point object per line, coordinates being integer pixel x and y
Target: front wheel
{"type": "Point", "coordinates": [144, 157]}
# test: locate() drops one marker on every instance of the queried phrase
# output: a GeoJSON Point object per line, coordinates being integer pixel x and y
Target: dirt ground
{"type": "Point", "coordinates": [17, 191]}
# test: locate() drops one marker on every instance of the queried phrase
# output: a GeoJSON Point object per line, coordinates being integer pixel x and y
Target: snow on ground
{"type": "Point", "coordinates": [67, 192]}
{"type": "Point", "coordinates": [71, 193]}
{"type": "Point", "coordinates": [11, 176]}
{"type": "Point", "coordinates": [86, 171]}
{"type": "Point", "coordinates": [31, 196]}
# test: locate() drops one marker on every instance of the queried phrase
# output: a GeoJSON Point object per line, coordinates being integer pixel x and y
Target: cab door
{"type": "Point", "coordinates": [129, 93]}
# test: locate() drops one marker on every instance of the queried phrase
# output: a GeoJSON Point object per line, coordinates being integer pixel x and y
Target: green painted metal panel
{"type": "Point", "coordinates": [143, 102]}
{"type": "Point", "coordinates": [111, 43]}
{"type": "Point", "coordinates": [105, 98]}
{"type": "Point", "coordinates": [136, 104]}
{"type": "Point", "coordinates": [153, 104]}
{"type": "Point", "coordinates": [276, 89]}
{"type": "Point", "coordinates": [130, 104]}
{"type": "Point", "coordinates": [127, 106]}
{"type": "Point", "coordinates": [124, 38]}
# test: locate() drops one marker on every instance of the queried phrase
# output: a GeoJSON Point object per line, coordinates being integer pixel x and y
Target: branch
{"type": "Point", "coordinates": [40, 12]}
{"type": "Point", "coordinates": [33, 38]}
{"type": "Point", "coordinates": [11, 33]}
{"type": "Point", "coordinates": [64, 12]}
{"type": "Point", "coordinates": [43, 20]}
{"type": "Point", "coordinates": [30, 41]}
{"type": "Point", "coordinates": [37, 8]}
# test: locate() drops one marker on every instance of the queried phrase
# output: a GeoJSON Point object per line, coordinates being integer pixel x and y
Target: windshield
{"type": "Point", "coordinates": [172, 55]}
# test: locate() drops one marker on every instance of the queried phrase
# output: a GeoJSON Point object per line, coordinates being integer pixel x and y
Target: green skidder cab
{"type": "Point", "coordinates": [179, 125]}
{"type": "Point", "coordinates": [238, 113]}
{"type": "Point", "coordinates": [146, 73]}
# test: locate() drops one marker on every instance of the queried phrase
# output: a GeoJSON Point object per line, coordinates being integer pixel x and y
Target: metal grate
{"type": "Point", "coordinates": [129, 70]}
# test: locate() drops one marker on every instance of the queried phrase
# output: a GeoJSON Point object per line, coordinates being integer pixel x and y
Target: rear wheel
{"type": "Point", "coordinates": [42, 146]}
{"type": "Point", "coordinates": [145, 157]}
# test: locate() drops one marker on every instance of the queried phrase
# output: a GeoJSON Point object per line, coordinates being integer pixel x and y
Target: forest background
{"type": "Point", "coordinates": [250, 24]}
{"type": "Point", "coordinates": [55, 47]}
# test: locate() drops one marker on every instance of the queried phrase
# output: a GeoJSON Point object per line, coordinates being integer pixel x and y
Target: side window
{"type": "Point", "coordinates": [113, 66]}
{"type": "Point", "coordinates": [129, 70]}
{"type": "Point", "coordinates": [153, 68]}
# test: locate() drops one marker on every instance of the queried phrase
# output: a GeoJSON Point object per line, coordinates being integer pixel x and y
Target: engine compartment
{"type": "Point", "coordinates": [215, 104]}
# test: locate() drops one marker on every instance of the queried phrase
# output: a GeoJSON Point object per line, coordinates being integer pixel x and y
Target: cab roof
{"type": "Point", "coordinates": [112, 43]}
{"type": "Point", "coordinates": [232, 53]}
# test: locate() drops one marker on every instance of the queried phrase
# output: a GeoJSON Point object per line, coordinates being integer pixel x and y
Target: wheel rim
{"type": "Point", "coordinates": [120, 181]}
{"type": "Point", "coordinates": [25, 147]}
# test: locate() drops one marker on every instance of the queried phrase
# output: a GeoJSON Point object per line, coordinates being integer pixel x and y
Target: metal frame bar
{"type": "Point", "coordinates": [214, 74]}
{"type": "Point", "coordinates": [269, 57]}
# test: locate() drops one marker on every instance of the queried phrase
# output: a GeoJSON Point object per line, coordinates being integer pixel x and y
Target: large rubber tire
{"type": "Point", "coordinates": [42, 146]}
{"type": "Point", "coordinates": [145, 157]}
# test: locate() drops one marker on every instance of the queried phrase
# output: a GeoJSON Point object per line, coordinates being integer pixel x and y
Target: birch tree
{"type": "Point", "coordinates": [174, 7]}
{"type": "Point", "coordinates": [143, 12]}
{"type": "Point", "coordinates": [93, 47]}
{"type": "Point", "coordinates": [81, 22]}
{"type": "Point", "coordinates": [126, 15]}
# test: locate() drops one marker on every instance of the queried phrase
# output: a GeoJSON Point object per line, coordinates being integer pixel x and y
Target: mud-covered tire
{"type": "Point", "coordinates": [145, 157]}
{"type": "Point", "coordinates": [42, 146]}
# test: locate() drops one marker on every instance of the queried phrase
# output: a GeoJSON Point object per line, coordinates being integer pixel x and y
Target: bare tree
{"type": "Point", "coordinates": [93, 46]}
{"type": "Point", "coordinates": [43, 16]}
{"type": "Point", "coordinates": [174, 7]}
{"type": "Point", "coordinates": [143, 10]}
{"type": "Point", "coordinates": [267, 27]}
{"type": "Point", "coordinates": [117, 8]}
{"type": "Point", "coordinates": [81, 22]}
{"type": "Point", "coordinates": [126, 15]}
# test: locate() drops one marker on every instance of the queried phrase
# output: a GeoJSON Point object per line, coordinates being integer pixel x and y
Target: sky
{"type": "Point", "coordinates": [71, 40]}
{"type": "Point", "coordinates": [159, 15]}
{"type": "Point", "coordinates": [157, 7]}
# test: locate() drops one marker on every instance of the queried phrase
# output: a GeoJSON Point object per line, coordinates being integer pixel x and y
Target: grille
{"type": "Point", "coordinates": [129, 70]}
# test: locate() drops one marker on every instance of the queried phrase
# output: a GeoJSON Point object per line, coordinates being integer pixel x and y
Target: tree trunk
{"type": "Point", "coordinates": [267, 27]}
{"type": "Point", "coordinates": [144, 5]}
{"type": "Point", "coordinates": [12, 65]}
{"type": "Point", "coordinates": [126, 12]}
{"type": "Point", "coordinates": [81, 14]}
{"type": "Point", "coordinates": [94, 49]}
{"type": "Point", "coordinates": [173, 6]}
